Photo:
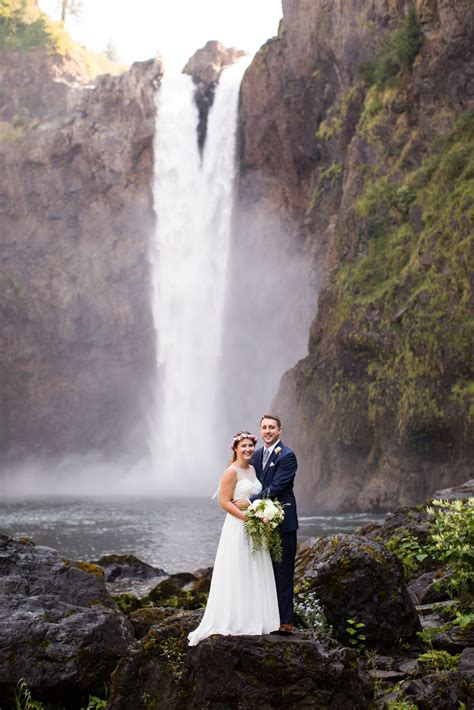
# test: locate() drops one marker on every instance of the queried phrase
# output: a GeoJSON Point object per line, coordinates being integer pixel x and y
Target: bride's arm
{"type": "Point", "coordinates": [228, 481]}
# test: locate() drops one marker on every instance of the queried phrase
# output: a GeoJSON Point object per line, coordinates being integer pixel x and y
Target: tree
{"type": "Point", "coordinates": [70, 7]}
{"type": "Point", "coordinates": [111, 52]}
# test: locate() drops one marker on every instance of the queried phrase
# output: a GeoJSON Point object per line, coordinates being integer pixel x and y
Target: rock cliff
{"type": "Point", "coordinates": [357, 131]}
{"type": "Point", "coordinates": [76, 158]}
{"type": "Point", "coordinates": [205, 67]}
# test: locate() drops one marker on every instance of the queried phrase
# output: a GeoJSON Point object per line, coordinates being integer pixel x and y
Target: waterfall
{"type": "Point", "coordinates": [193, 205]}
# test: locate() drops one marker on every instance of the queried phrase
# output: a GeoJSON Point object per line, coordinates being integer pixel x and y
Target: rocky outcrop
{"type": "Point", "coordinates": [38, 84]}
{"type": "Point", "coordinates": [447, 690]}
{"type": "Point", "coordinates": [340, 115]}
{"type": "Point", "coordinates": [465, 490]}
{"type": "Point", "coordinates": [59, 628]}
{"type": "Point", "coordinates": [120, 567]}
{"type": "Point", "coordinates": [355, 578]}
{"type": "Point", "coordinates": [205, 68]}
{"type": "Point", "coordinates": [78, 351]}
{"type": "Point", "coordinates": [227, 671]}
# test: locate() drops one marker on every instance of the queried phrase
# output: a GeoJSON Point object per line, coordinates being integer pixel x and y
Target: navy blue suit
{"type": "Point", "coordinates": [277, 482]}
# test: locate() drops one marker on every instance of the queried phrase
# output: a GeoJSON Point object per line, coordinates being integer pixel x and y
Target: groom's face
{"type": "Point", "coordinates": [269, 431]}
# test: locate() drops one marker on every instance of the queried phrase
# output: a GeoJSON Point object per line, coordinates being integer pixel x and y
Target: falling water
{"type": "Point", "coordinates": [193, 204]}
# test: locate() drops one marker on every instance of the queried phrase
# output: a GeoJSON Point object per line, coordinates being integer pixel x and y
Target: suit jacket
{"type": "Point", "coordinates": [277, 481]}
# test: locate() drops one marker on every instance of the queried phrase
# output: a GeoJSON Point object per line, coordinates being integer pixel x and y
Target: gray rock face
{"type": "Point", "coordinates": [306, 671]}
{"type": "Point", "coordinates": [59, 628]}
{"type": "Point", "coordinates": [76, 210]}
{"type": "Point", "coordinates": [357, 578]}
{"type": "Point", "coordinates": [312, 179]}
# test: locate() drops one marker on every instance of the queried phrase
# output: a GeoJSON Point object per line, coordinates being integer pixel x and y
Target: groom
{"type": "Point", "coordinates": [276, 466]}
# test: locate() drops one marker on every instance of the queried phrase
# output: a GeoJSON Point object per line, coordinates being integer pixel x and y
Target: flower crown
{"type": "Point", "coordinates": [240, 437]}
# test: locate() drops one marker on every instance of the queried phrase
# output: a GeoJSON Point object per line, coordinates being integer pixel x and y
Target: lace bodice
{"type": "Point", "coordinates": [247, 482]}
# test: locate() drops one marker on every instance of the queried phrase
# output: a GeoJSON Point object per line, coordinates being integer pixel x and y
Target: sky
{"type": "Point", "coordinates": [174, 29]}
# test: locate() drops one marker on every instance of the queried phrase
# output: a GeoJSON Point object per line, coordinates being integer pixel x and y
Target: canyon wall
{"type": "Point", "coordinates": [357, 131]}
{"type": "Point", "coordinates": [77, 351]}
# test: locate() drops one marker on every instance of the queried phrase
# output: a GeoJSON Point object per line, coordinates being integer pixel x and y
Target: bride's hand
{"type": "Point", "coordinates": [241, 503]}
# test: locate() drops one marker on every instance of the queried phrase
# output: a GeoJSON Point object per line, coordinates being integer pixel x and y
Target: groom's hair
{"type": "Point", "coordinates": [272, 416]}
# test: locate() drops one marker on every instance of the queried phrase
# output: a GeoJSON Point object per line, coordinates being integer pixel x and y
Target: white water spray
{"type": "Point", "coordinates": [193, 204]}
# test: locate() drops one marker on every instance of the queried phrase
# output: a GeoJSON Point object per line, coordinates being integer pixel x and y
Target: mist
{"type": "Point", "coordinates": [270, 304]}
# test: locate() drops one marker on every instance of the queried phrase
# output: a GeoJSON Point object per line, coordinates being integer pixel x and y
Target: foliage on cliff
{"type": "Point", "coordinates": [403, 292]}
{"type": "Point", "coordinates": [407, 298]}
{"type": "Point", "coordinates": [24, 27]}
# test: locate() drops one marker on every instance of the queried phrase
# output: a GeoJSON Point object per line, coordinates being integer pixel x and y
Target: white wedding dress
{"type": "Point", "coordinates": [242, 599]}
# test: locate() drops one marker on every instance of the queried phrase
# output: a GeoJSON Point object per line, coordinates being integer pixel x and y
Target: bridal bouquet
{"type": "Point", "coordinates": [264, 516]}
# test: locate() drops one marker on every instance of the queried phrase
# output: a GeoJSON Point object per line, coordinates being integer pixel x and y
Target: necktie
{"type": "Point", "coordinates": [266, 456]}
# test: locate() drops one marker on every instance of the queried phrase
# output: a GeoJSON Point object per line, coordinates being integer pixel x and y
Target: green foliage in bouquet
{"type": "Point", "coordinates": [261, 527]}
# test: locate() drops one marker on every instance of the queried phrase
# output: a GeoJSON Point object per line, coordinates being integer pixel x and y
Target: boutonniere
{"type": "Point", "coordinates": [278, 450]}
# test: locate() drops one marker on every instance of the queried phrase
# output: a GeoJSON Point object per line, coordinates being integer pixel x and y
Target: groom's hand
{"type": "Point", "coordinates": [241, 503]}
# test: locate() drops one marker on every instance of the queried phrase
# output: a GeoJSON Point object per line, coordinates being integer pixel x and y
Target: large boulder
{"type": "Point", "coordinates": [356, 578]}
{"type": "Point", "coordinates": [305, 671]}
{"type": "Point", "coordinates": [60, 630]}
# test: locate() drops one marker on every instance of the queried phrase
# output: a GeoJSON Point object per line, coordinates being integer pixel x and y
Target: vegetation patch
{"type": "Point", "coordinates": [24, 27]}
{"type": "Point", "coordinates": [450, 541]}
{"type": "Point", "coordinates": [397, 54]}
{"type": "Point", "coordinates": [407, 299]}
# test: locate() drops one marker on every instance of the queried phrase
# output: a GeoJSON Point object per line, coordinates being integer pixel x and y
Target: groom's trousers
{"type": "Point", "coordinates": [284, 576]}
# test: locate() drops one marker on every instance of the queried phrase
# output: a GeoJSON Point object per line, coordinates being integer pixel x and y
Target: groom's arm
{"type": "Point", "coordinates": [284, 475]}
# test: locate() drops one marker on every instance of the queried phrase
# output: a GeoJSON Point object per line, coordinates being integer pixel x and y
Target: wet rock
{"type": "Point", "coordinates": [446, 690]}
{"type": "Point", "coordinates": [185, 590]}
{"type": "Point", "coordinates": [117, 567]}
{"type": "Point", "coordinates": [59, 628]}
{"type": "Point", "coordinates": [358, 578]}
{"type": "Point", "coordinates": [307, 671]}
{"type": "Point", "coordinates": [143, 619]}
{"type": "Point", "coordinates": [466, 662]}
{"type": "Point", "coordinates": [455, 639]}
{"type": "Point", "coordinates": [428, 588]}
{"type": "Point", "coordinates": [403, 521]}
{"type": "Point", "coordinates": [465, 490]}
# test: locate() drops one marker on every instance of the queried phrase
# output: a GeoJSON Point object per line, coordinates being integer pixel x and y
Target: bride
{"type": "Point", "coordinates": [242, 598]}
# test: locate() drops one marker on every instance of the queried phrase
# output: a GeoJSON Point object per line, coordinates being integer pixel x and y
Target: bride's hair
{"type": "Point", "coordinates": [237, 438]}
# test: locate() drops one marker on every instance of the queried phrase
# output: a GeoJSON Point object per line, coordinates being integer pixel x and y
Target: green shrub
{"type": "Point", "coordinates": [433, 661]}
{"type": "Point", "coordinates": [397, 55]}
{"type": "Point", "coordinates": [450, 540]}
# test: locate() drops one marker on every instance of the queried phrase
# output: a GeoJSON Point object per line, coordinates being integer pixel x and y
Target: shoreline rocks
{"type": "Point", "coordinates": [60, 630]}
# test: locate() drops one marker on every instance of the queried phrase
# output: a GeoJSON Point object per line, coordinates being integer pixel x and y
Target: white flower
{"type": "Point", "coordinates": [271, 511]}
{"type": "Point", "coordinates": [278, 450]}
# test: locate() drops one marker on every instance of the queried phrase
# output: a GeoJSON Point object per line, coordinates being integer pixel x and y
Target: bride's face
{"type": "Point", "coordinates": [245, 449]}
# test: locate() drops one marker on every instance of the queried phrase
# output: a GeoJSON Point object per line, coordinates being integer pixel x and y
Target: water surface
{"type": "Point", "coordinates": [176, 534]}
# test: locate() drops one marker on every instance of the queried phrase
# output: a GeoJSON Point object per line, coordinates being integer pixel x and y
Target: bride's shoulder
{"type": "Point", "coordinates": [229, 473]}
